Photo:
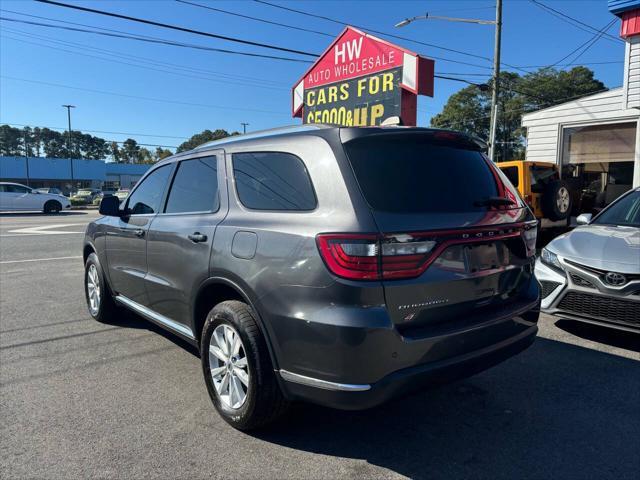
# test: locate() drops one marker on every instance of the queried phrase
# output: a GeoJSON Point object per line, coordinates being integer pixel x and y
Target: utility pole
{"type": "Point", "coordinates": [26, 155]}
{"type": "Point", "coordinates": [496, 81]}
{"type": "Point", "coordinates": [244, 127]}
{"type": "Point", "coordinates": [69, 107]}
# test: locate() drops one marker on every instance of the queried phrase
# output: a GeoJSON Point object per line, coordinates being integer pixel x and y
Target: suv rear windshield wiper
{"type": "Point", "coordinates": [493, 202]}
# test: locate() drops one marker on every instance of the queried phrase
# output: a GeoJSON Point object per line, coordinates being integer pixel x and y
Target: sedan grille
{"type": "Point", "coordinates": [606, 308]}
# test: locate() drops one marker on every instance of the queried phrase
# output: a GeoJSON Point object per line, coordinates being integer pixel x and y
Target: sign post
{"type": "Point", "coordinates": [361, 80]}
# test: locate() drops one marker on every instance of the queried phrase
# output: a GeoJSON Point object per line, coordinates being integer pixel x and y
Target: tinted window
{"type": "Point", "coordinates": [512, 174]}
{"type": "Point", "coordinates": [273, 181]}
{"type": "Point", "coordinates": [17, 189]}
{"type": "Point", "coordinates": [194, 187]}
{"type": "Point", "coordinates": [147, 197]}
{"type": "Point", "coordinates": [625, 211]}
{"type": "Point", "coordinates": [410, 174]}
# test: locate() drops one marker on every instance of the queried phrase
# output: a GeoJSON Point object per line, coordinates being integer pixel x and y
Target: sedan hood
{"type": "Point", "coordinates": [601, 246]}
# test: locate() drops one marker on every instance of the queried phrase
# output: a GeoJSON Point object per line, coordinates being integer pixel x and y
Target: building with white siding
{"type": "Point", "coordinates": [597, 137]}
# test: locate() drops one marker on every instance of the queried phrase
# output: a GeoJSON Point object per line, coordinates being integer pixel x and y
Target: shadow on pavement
{"type": "Point", "coordinates": [129, 319]}
{"type": "Point", "coordinates": [597, 333]}
{"type": "Point", "coordinates": [554, 411]}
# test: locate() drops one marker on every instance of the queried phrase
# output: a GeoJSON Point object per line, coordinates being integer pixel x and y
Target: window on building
{"type": "Point", "coordinates": [194, 187]}
{"type": "Point", "coordinates": [599, 143]}
{"type": "Point", "coordinates": [273, 181]}
{"type": "Point", "coordinates": [147, 197]}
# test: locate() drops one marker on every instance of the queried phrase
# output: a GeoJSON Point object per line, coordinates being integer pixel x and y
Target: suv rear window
{"type": "Point", "coordinates": [412, 174]}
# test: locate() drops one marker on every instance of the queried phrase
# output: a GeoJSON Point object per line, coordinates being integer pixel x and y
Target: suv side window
{"type": "Point", "coordinates": [273, 181]}
{"type": "Point", "coordinates": [147, 196]}
{"type": "Point", "coordinates": [194, 187]}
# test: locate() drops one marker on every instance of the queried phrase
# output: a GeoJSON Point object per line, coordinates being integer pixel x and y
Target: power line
{"type": "Point", "coordinates": [595, 38]}
{"type": "Point", "coordinates": [126, 36]}
{"type": "Point", "coordinates": [96, 131]}
{"type": "Point", "coordinates": [262, 20]}
{"type": "Point", "coordinates": [156, 40]}
{"type": "Point", "coordinates": [569, 64]}
{"type": "Point", "coordinates": [593, 42]}
{"type": "Point", "coordinates": [152, 61]}
{"type": "Point", "coordinates": [173, 65]}
{"type": "Point", "coordinates": [123, 34]}
{"type": "Point", "coordinates": [331, 35]}
{"type": "Point", "coordinates": [571, 20]}
{"type": "Point", "coordinates": [390, 35]}
{"type": "Point", "coordinates": [178, 28]}
{"type": "Point", "coordinates": [146, 67]}
{"type": "Point", "coordinates": [152, 99]}
{"type": "Point", "coordinates": [210, 72]}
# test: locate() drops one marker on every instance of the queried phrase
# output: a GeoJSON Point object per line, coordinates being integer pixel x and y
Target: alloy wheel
{"type": "Point", "coordinates": [93, 289]}
{"type": "Point", "coordinates": [228, 365]}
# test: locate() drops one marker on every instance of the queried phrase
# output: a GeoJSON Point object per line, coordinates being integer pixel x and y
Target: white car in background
{"type": "Point", "coordinates": [15, 197]}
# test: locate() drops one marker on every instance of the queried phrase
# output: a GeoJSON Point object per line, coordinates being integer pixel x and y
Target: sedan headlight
{"type": "Point", "coordinates": [550, 259]}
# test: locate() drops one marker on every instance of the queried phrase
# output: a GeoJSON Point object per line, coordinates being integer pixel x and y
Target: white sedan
{"type": "Point", "coordinates": [16, 197]}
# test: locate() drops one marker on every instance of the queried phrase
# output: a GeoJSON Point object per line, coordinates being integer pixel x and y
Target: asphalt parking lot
{"type": "Point", "coordinates": [80, 399]}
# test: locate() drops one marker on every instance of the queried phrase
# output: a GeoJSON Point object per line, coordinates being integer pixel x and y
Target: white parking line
{"type": "Point", "coordinates": [45, 229]}
{"type": "Point", "coordinates": [39, 234]}
{"type": "Point", "coordinates": [40, 259]}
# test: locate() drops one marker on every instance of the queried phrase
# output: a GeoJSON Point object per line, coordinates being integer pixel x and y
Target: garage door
{"type": "Point", "coordinates": [599, 143]}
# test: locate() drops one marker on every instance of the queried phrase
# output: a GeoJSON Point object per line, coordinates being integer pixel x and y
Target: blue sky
{"type": "Point", "coordinates": [215, 90]}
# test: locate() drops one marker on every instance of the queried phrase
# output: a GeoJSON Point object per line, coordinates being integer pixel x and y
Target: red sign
{"type": "Point", "coordinates": [356, 55]}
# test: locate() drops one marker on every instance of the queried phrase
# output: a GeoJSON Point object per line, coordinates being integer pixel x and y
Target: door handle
{"type": "Point", "coordinates": [139, 232]}
{"type": "Point", "coordinates": [197, 237]}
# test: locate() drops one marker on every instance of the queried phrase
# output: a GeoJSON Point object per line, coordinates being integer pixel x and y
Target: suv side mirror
{"type": "Point", "coordinates": [110, 206]}
{"type": "Point", "coordinates": [583, 219]}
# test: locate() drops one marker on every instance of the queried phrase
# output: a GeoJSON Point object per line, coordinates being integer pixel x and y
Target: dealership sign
{"type": "Point", "coordinates": [361, 80]}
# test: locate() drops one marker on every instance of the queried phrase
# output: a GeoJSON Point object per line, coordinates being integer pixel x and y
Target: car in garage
{"type": "Point", "coordinates": [592, 274]}
{"type": "Point", "coordinates": [17, 197]}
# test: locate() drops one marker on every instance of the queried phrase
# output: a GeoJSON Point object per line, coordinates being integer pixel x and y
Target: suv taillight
{"type": "Point", "coordinates": [404, 255]}
{"type": "Point", "coordinates": [350, 256]}
{"type": "Point", "coordinates": [373, 257]}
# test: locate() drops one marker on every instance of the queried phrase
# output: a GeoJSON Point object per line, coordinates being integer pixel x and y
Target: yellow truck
{"type": "Point", "coordinates": [542, 189]}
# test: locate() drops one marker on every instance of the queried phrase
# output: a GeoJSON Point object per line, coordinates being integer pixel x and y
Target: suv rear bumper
{"type": "Point", "coordinates": [362, 396]}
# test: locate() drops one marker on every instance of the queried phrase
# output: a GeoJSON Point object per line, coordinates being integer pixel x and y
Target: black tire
{"type": "Point", "coordinates": [556, 201]}
{"type": "Point", "coordinates": [52, 206]}
{"type": "Point", "coordinates": [264, 401]}
{"type": "Point", "coordinates": [107, 310]}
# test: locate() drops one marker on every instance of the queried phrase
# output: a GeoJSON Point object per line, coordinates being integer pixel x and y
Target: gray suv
{"type": "Point", "coordinates": [341, 266]}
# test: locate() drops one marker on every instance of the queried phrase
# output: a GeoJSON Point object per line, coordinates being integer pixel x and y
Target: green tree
{"type": "Point", "coordinates": [469, 109]}
{"type": "Point", "coordinates": [130, 150]}
{"type": "Point", "coordinates": [54, 144]}
{"type": "Point", "coordinates": [144, 156]}
{"type": "Point", "coordinates": [115, 152]}
{"type": "Point", "coordinates": [10, 141]}
{"type": "Point", "coordinates": [161, 153]}
{"type": "Point", "coordinates": [202, 137]}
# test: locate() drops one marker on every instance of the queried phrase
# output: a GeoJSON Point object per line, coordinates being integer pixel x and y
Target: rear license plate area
{"type": "Point", "coordinates": [483, 257]}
